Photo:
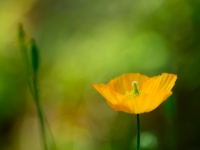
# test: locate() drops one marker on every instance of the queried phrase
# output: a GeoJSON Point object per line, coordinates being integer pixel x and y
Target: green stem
{"type": "Point", "coordinates": [31, 76]}
{"type": "Point", "coordinates": [138, 132]}
{"type": "Point", "coordinates": [40, 113]}
{"type": "Point", "coordinates": [32, 83]}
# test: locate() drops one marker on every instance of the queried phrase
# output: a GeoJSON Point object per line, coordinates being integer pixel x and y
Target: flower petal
{"type": "Point", "coordinates": [108, 93]}
{"type": "Point", "coordinates": [168, 81]}
{"type": "Point", "coordinates": [143, 103]}
{"type": "Point", "coordinates": [123, 83]}
{"type": "Point", "coordinates": [150, 102]}
{"type": "Point", "coordinates": [163, 82]}
{"type": "Point", "coordinates": [125, 105]}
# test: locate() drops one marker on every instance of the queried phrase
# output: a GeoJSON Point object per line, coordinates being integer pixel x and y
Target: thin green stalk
{"type": "Point", "coordinates": [28, 73]}
{"type": "Point", "coordinates": [40, 113]}
{"type": "Point", "coordinates": [136, 92]}
{"type": "Point", "coordinates": [34, 91]}
{"type": "Point", "coordinates": [31, 68]}
{"type": "Point", "coordinates": [138, 132]}
{"type": "Point", "coordinates": [48, 129]}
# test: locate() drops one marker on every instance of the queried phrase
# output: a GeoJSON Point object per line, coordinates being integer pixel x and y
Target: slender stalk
{"type": "Point", "coordinates": [136, 92]}
{"type": "Point", "coordinates": [32, 83]}
{"type": "Point", "coordinates": [28, 73]}
{"type": "Point", "coordinates": [31, 68]}
{"type": "Point", "coordinates": [40, 113]}
{"type": "Point", "coordinates": [138, 132]}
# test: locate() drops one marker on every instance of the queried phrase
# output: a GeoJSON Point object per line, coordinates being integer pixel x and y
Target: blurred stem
{"type": "Point", "coordinates": [34, 91]}
{"type": "Point", "coordinates": [31, 68]}
{"type": "Point", "coordinates": [138, 132]}
{"type": "Point", "coordinates": [40, 113]}
{"type": "Point", "coordinates": [28, 74]}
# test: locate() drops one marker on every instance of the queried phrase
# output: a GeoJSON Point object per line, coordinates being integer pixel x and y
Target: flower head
{"type": "Point", "coordinates": [135, 93]}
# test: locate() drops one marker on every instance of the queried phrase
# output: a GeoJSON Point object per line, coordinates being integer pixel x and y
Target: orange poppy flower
{"type": "Point", "coordinates": [135, 93]}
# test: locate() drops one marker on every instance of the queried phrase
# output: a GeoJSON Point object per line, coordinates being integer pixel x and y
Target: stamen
{"type": "Point", "coordinates": [134, 82]}
{"type": "Point", "coordinates": [130, 94]}
{"type": "Point", "coordinates": [135, 92]}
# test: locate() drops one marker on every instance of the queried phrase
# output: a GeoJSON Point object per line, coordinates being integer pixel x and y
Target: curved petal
{"type": "Point", "coordinates": [168, 81]}
{"type": "Point", "coordinates": [132, 105]}
{"type": "Point", "coordinates": [123, 83]}
{"type": "Point", "coordinates": [163, 82]}
{"type": "Point", "coordinates": [108, 93]}
{"type": "Point", "coordinates": [149, 102]}
{"type": "Point", "coordinates": [124, 105]}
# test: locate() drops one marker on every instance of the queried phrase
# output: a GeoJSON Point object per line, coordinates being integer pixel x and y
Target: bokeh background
{"type": "Point", "coordinates": [85, 41]}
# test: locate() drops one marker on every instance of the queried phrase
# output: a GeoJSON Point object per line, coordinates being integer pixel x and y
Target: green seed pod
{"type": "Point", "coordinates": [34, 56]}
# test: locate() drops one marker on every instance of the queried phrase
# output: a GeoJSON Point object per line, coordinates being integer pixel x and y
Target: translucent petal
{"type": "Point", "coordinates": [123, 83]}
{"type": "Point", "coordinates": [108, 93]}
{"type": "Point", "coordinates": [163, 82]}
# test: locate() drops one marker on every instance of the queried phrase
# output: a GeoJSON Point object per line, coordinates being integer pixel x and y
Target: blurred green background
{"type": "Point", "coordinates": [85, 41]}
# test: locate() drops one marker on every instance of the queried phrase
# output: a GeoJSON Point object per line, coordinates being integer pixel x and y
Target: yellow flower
{"type": "Point", "coordinates": [135, 93]}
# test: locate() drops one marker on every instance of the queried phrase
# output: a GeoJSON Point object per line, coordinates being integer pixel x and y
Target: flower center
{"type": "Point", "coordinates": [135, 92]}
